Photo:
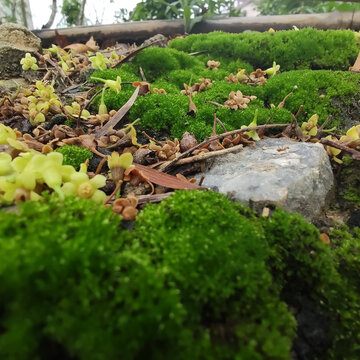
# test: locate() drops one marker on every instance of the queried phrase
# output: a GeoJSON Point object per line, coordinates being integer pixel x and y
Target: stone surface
{"type": "Point", "coordinates": [296, 176]}
{"type": "Point", "coordinates": [15, 42]}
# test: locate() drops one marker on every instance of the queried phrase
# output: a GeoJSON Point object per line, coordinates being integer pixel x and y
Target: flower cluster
{"type": "Point", "coordinates": [99, 61]}
{"type": "Point", "coordinates": [42, 101]}
{"type": "Point", "coordinates": [237, 100]}
{"type": "Point", "coordinates": [257, 77]}
{"type": "Point", "coordinates": [29, 62]}
{"type": "Point", "coordinates": [27, 175]}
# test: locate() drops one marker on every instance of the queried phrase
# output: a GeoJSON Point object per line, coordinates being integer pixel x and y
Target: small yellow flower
{"type": "Point", "coordinates": [310, 127]}
{"type": "Point", "coordinates": [29, 62]}
{"type": "Point", "coordinates": [99, 61]}
{"type": "Point", "coordinates": [74, 110]}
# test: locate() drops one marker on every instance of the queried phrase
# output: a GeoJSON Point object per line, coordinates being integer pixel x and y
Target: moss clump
{"type": "Point", "coordinates": [346, 253]}
{"type": "Point", "coordinates": [127, 72]}
{"type": "Point", "coordinates": [220, 272]}
{"type": "Point", "coordinates": [74, 155]}
{"type": "Point", "coordinates": [199, 277]}
{"type": "Point", "coordinates": [160, 112]}
{"type": "Point", "coordinates": [70, 288]}
{"type": "Point", "coordinates": [156, 61]}
{"type": "Point", "coordinates": [304, 49]}
{"type": "Point", "coordinates": [310, 280]}
{"type": "Point", "coordinates": [321, 92]}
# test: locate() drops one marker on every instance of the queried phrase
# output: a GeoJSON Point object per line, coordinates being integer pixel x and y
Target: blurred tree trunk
{"type": "Point", "coordinates": [81, 14]}
{"type": "Point", "coordinates": [52, 16]}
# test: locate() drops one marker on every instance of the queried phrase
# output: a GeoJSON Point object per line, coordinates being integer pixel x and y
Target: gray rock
{"type": "Point", "coordinates": [15, 42]}
{"type": "Point", "coordinates": [296, 176]}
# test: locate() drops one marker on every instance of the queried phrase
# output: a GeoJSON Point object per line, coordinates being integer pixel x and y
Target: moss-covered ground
{"type": "Point", "coordinates": [311, 65]}
{"type": "Point", "coordinates": [196, 276]}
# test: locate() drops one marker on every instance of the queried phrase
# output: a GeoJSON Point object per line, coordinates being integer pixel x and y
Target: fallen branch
{"type": "Point", "coordinates": [355, 154]}
{"type": "Point", "coordinates": [155, 198]}
{"type": "Point", "coordinates": [203, 156]}
{"type": "Point", "coordinates": [212, 138]}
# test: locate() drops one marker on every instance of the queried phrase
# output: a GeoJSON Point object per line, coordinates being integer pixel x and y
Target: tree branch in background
{"type": "Point", "coordinates": [52, 16]}
{"type": "Point", "coordinates": [81, 14]}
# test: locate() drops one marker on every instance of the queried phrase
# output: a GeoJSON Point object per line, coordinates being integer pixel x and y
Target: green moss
{"type": "Point", "coordinates": [353, 195]}
{"type": "Point", "coordinates": [157, 61]}
{"type": "Point", "coordinates": [220, 271]}
{"type": "Point", "coordinates": [127, 72]}
{"type": "Point", "coordinates": [346, 254]}
{"type": "Point", "coordinates": [69, 288]}
{"type": "Point", "coordinates": [74, 155]}
{"type": "Point", "coordinates": [159, 112]}
{"type": "Point", "coordinates": [199, 277]}
{"type": "Point", "coordinates": [310, 279]}
{"type": "Point", "coordinates": [304, 49]}
{"type": "Point", "coordinates": [320, 92]}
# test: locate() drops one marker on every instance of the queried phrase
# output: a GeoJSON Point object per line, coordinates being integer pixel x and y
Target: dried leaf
{"type": "Point", "coordinates": [91, 44]}
{"type": "Point", "coordinates": [325, 238]}
{"type": "Point", "coordinates": [356, 67]}
{"type": "Point", "coordinates": [187, 141]}
{"type": "Point", "coordinates": [118, 116]}
{"type": "Point", "coordinates": [77, 48]}
{"type": "Point", "coordinates": [166, 180]}
{"type": "Point", "coordinates": [60, 40]}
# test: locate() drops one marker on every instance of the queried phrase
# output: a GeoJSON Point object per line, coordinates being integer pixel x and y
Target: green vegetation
{"type": "Point", "coordinates": [199, 277]}
{"type": "Point", "coordinates": [74, 155]}
{"type": "Point", "coordinates": [293, 50]}
{"type": "Point", "coordinates": [322, 92]}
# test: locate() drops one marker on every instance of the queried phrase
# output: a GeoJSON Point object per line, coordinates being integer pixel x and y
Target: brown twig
{"type": "Point", "coordinates": [142, 74]}
{"type": "Point", "coordinates": [299, 111]}
{"type": "Point", "coordinates": [220, 123]}
{"type": "Point", "coordinates": [355, 154]}
{"type": "Point", "coordinates": [117, 187]}
{"type": "Point", "coordinates": [155, 198]}
{"type": "Point", "coordinates": [282, 103]}
{"type": "Point", "coordinates": [99, 167]}
{"type": "Point", "coordinates": [152, 139]}
{"type": "Point", "coordinates": [212, 138]}
{"type": "Point", "coordinates": [203, 156]}
{"type": "Point", "coordinates": [92, 98]}
{"type": "Point", "coordinates": [214, 103]}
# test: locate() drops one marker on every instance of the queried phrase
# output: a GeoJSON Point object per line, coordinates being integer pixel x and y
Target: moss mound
{"type": "Point", "coordinates": [304, 49]}
{"type": "Point", "coordinates": [323, 92]}
{"type": "Point", "coordinates": [199, 277]}
{"type": "Point", "coordinates": [74, 155]}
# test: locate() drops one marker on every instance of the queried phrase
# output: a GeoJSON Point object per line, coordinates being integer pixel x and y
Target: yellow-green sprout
{"type": "Point", "coordinates": [352, 137]}
{"type": "Point", "coordinates": [41, 102]}
{"type": "Point", "coordinates": [118, 164]}
{"type": "Point", "coordinates": [333, 152]}
{"type": "Point", "coordinates": [6, 133]}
